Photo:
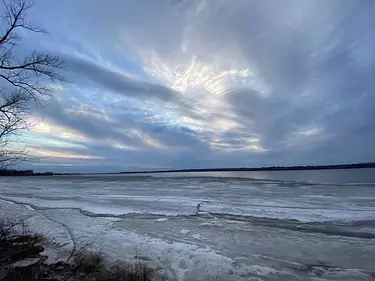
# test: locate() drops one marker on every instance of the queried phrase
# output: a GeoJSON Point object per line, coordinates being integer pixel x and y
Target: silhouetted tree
{"type": "Point", "coordinates": [23, 78]}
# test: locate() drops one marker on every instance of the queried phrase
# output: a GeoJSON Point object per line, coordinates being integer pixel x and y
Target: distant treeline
{"type": "Point", "coordinates": [15, 173]}
{"type": "Point", "coordinates": [272, 168]}
{"type": "Point", "coordinates": [6, 172]}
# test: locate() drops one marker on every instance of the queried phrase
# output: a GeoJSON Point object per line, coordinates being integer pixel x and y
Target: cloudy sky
{"type": "Point", "coordinates": [162, 84]}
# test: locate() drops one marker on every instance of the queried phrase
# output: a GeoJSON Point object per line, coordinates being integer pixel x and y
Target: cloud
{"type": "Point", "coordinates": [53, 154]}
{"type": "Point", "coordinates": [214, 83]}
{"type": "Point", "coordinates": [112, 80]}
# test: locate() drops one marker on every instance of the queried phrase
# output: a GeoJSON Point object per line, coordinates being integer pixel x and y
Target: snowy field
{"type": "Point", "coordinates": [245, 229]}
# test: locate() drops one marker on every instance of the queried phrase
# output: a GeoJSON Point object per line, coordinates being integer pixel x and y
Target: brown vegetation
{"type": "Point", "coordinates": [90, 265]}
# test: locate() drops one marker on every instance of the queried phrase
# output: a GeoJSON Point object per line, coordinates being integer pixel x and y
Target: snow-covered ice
{"type": "Point", "coordinates": [245, 230]}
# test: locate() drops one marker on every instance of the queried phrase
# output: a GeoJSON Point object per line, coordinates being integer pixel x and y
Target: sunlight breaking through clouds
{"type": "Point", "coordinates": [196, 75]}
{"type": "Point", "coordinates": [54, 154]}
{"type": "Point", "coordinates": [46, 128]}
{"type": "Point", "coordinates": [205, 88]}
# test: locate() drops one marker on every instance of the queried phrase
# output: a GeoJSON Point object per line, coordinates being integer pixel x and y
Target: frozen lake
{"type": "Point", "coordinates": [293, 225]}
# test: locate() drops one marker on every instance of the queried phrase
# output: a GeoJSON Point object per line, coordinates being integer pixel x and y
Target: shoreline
{"type": "Point", "coordinates": [369, 165]}
{"type": "Point", "coordinates": [271, 168]}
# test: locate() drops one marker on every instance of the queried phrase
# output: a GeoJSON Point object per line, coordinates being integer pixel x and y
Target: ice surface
{"type": "Point", "coordinates": [160, 196]}
{"type": "Point", "coordinates": [245, 230]}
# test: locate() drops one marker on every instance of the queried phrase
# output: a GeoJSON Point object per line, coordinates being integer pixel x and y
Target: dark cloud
{"type": "Point", "coordinates": [113, 81]}
{"type": "Point", "coordinates": [315, 78]}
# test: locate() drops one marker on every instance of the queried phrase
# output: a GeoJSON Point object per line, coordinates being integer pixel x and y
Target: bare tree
{"type": "Point", "coordinates": [24, 79]}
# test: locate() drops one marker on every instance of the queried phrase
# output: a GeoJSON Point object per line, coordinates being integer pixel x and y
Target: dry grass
{"type": "Point", "coordinates": [214, 276]}
{"type": "Point", "coordinates": [91, 265]}
{"type": "Point", "coordinates": [88, 261]}
{"type": "Point", "coordinates": [131, 271]}
{"type": "Point", "coordinates": [7, 229]}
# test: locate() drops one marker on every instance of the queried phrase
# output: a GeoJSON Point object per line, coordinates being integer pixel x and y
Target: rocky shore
{"type": "Point", "coordinates": [22, 258]}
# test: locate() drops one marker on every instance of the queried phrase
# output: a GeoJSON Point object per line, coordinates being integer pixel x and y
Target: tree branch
{"type": "Point", "coordinates": [26, 79]}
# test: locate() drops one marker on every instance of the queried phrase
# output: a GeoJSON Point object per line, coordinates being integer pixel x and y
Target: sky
{"type": "Point", "coordinates": [173, 84]}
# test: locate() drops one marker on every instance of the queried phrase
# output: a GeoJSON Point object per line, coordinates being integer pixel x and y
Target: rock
{"type": "Point", "coordinates": [59, 265]}
{"type": "Point", "coordinates": [45, 273]}
{"type": "Point", "coordinates": [19, 255]}
{"type": "Point", "coordinates": [26, 269]}
{"type": "Point", "coordinates": [29, 262]}
{"type": "Point", "coordinates": [24, 252]}
{"type": "Point", "coordinates": [43, 258]}
{"type": "Point", "coordinates": [23, 239]}
{"type": "Point", "coordinates": [20, 244]}
{"type": "Point", "coordinates": [36, 249]}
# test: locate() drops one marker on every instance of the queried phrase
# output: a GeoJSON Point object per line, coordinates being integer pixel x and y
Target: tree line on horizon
{"type": "Point", "coordinates": [12, 172]}
{"type": "Point", "coordinates": [270, 168]}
